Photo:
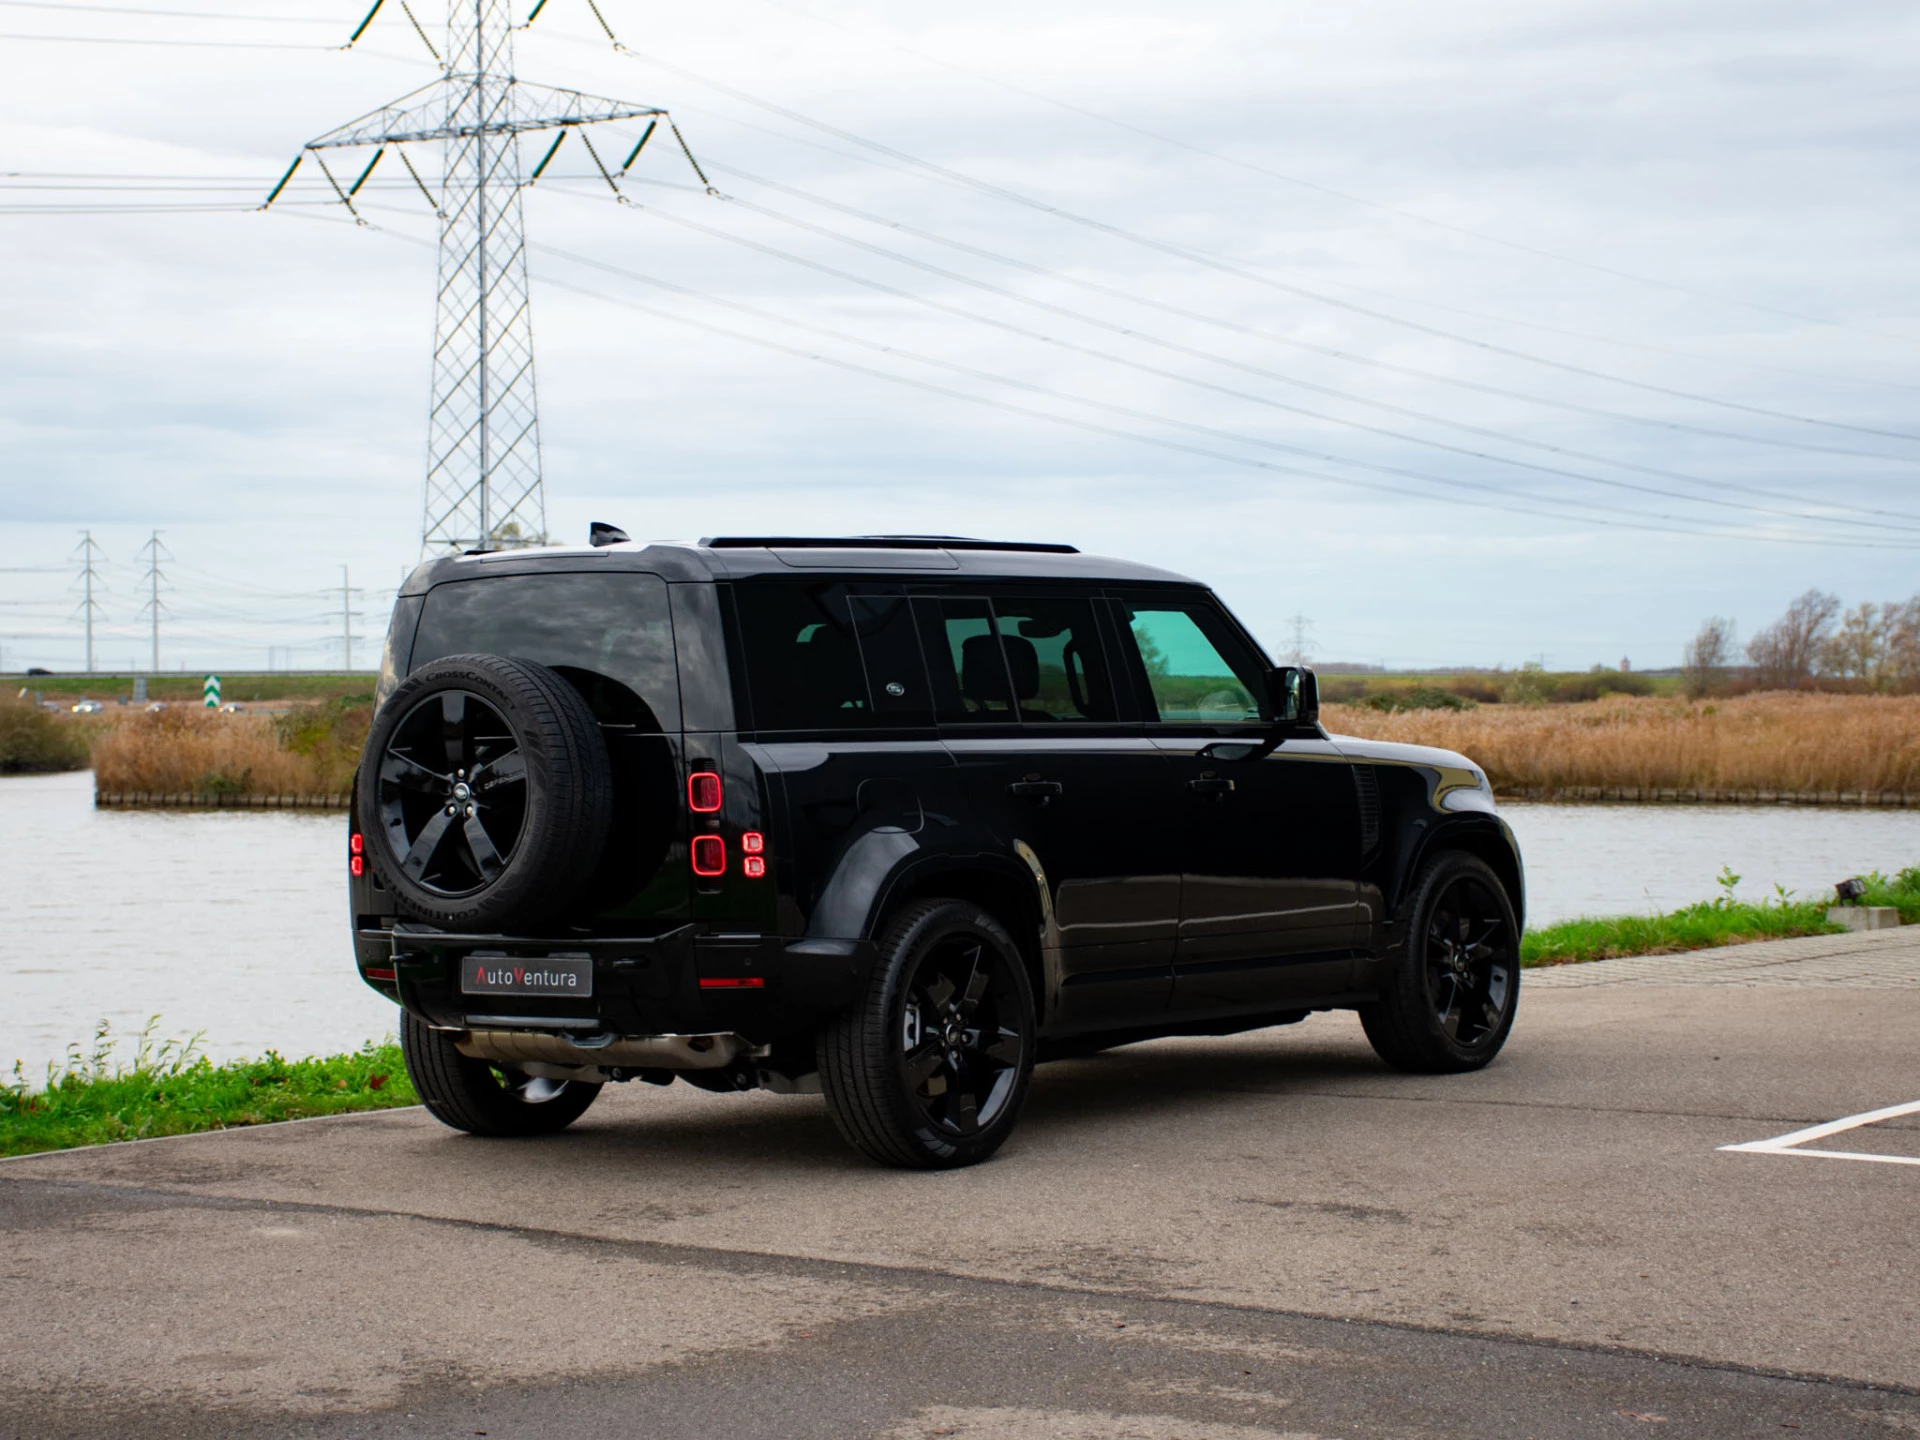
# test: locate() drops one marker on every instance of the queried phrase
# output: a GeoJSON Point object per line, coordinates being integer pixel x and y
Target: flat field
{"type": "Point", "coordinates": [1774, 743]}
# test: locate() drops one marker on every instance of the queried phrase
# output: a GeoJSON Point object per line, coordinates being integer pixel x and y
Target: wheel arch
{"type": "Point", "coordinates": [1000, 885]}
{"type": "Point", "coordinates": [1486, 839]}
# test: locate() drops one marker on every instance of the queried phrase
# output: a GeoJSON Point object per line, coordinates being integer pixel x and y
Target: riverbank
{"type": "Point", "coordinates": [195, 756]}
{"type": "Point", "coordinates": [1830, 749]}
{"type": "Point", "coordinates": [1725, 921]}
{"type": "Point", "coordinates": [169, 1089]}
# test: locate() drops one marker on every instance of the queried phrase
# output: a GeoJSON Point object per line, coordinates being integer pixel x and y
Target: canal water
{"type": "Point", "coordinates": [233, 924]}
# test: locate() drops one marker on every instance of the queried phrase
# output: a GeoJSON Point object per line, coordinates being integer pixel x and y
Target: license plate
{"type": "Point", "coordinates": [567, 975]}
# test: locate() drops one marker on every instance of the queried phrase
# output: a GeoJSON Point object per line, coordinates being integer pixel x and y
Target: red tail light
{"type": "Point", "coordinates": [732, 982]}
{"type": "Point", "coordinates": [703, 792]}
{"type": "Point", "coordinates": [755, 866]}
{"type": "Point", "coordinates": [709, 855]}
{"type": "Point", "coordinates": [753, 842]}
{"type": "Point", "coordinates": [356, 855]}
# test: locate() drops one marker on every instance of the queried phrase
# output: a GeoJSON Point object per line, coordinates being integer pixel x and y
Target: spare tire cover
{"type": "Point", "coordinates": [485, 794]}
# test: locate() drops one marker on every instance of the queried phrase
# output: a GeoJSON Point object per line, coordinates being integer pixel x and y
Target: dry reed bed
{"type": "Point", "coordinates": [1782, 743]}
{"type": "Point", "coordinates": [200, 752]}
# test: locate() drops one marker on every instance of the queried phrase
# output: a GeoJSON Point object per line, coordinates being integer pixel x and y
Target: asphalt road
{"type": "Point", "coordinates": [1237, 1239]}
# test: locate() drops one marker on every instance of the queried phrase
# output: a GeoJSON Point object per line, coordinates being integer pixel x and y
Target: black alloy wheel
{"type": "Point", "coordinates": [452, 793]}
{"type": "Point", "coordinates": [931, 1069]}
{"type": "Point", "coordinates": [485, 794]}
{"type": "Point", "coordinates": [1469, 969]}
{"type": "Point", "coordinates": [1450, 995]}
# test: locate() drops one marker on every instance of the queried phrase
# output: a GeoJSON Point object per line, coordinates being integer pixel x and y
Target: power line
{"type": "Point", "coordinates": [1108, 357]}
{"type": "Point", "coordinates": [66, 8]}
{"type": "Point", "coordinates": [1279, 338]}
{"type": "Point", "coordinates": [152, 550]}
{"type": "Point", "coordinates": [1235, 270]}
{"type": "Point", "coordinates": [1352, 199]}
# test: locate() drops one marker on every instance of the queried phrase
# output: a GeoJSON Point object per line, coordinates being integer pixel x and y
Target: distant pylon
{"type": "Point", "coordinates": [484, 488]}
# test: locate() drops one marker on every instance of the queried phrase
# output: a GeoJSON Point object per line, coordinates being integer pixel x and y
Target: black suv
{"type": "Point", "coordinates": [889, 819]}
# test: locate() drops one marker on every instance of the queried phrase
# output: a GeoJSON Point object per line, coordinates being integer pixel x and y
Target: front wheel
{"type": "Point", "coordinates": [930, 1069]}
{"type": "Point", "coordinates": [1450, 996]}
{"type": "Point", "coordinates": [482, 1098]}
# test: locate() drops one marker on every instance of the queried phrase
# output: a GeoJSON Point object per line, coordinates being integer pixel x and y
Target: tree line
{"type": "Point", "coordinates": [1816, 644]}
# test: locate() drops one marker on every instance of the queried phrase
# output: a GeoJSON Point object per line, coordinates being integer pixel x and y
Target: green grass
{"type": "Point", "coordinates": [31, 739]}
{"type": "Point", "coordinates": [170, 1089]}
{"type": "Point", "coordinates": [1725, 921]}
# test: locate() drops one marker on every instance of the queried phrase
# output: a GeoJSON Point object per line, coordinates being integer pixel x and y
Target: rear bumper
{"type": "Point", "coordinates": [686, 981]}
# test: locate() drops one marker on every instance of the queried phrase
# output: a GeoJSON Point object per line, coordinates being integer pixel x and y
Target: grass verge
{"type": "Point", "coordinates": [171, 1089]}
{"type": "Point", "coordinates": [1725, 921]}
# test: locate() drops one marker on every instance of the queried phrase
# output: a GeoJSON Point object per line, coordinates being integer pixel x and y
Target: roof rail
{"type": "Point", "coordinates": [880, 542]}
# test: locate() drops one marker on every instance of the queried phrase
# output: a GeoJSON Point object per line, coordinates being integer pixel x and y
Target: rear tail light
{"type": "Point", "coordinates": [755, 866]}
{"type": "Point", "coordinates": [753, 842]}
{"type": "Point", "coordinates": [703, 792]}
{"type": "Point", "coordinates": [709, 855]}
{"type": "Point", "coordinates": [733, 982]}
{"type": "Point", "coordinates": [357, 855]}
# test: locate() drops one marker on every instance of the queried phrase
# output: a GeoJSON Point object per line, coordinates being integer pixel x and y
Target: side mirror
{"type": "Point", "coordinates": [1295, 694]}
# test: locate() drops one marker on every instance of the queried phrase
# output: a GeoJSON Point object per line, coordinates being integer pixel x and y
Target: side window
{"type": "Point", "coordinates": [1197, 670]}
{"type": "Point", "coordinates": [1054, 659]}
{"type": "Point", "coordinates": [963, 661]}
{"type": "Point", "coordinates": [821, 658]}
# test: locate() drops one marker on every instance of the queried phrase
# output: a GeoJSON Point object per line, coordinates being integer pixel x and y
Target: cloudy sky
{"type": "Point", "coordinates": [1471, 334]}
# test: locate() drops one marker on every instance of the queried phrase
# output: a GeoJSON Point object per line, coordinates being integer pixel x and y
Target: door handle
{"type": "Point", "coordinates": [1211, 785]}
{"type": "Point", "coordinates": [1036, 789]}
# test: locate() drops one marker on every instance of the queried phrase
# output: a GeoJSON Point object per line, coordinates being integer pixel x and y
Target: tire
{"type": "Point", "coordinates": [482, 1099]}
{"type": "Point", "coordinates": [1451, 994]}
{"type": "Point", "coordinates": [485, 794]}
{"type": "Point", "coordinates": [908, 1080]}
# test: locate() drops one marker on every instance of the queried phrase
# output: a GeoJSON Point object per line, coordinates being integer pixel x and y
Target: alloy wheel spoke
{"type": "Point", "coordinates": [963, 1106]}
{"type": "Point", "coordinates": [410, 774]}
{"type": "Point", "coordinates": [486, 858]}
{"type": "Point", "coordinates": [1003, 1047]}
{"type": "Point", "coordinates": [420, 853]}
{"type": "Point", "coordinates": [940, 991]}
{"type": "Point", "coordinates": [453, 728]}
{"type": "Point", "coordinates": [925, 1063]}
{"type": "Point", "coordinates": [507, 769]}
{"type": "Point", "coordinates": [976, 985]}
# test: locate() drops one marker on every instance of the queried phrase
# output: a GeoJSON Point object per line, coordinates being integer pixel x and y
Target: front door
{"type": "Point", "coordinates": [1269, 845]}
{"type": "Point", "coordinates": [1024, 688]}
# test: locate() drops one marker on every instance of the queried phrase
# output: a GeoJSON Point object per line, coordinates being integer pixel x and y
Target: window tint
{"type": "Point", "coordinates": [608, 634]}
{"type": "Point", "coordinates": [1016, 660]}
{"type": "Point", "coordinates": [963, 661]}
{"type": "Point", "coordinates": [1054, 659]}
{"type": "Point", "coordinates": [820, 657]}
{"type": "Point", "coordinates": [1197, 670]}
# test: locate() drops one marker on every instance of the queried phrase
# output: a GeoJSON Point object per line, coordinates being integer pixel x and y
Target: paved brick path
{"type": "Point", "coordinates": [1877, 960]}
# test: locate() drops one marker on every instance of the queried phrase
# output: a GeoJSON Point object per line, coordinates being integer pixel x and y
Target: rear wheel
{"type": "Point", "coordinates": [1451, 995]}
{"type": "Point", "coordinates": [482, 1098]}
{"type": "Point", "coordinates": [930, 1070]}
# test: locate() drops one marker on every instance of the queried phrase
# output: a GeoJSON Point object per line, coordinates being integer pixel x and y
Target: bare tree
{"type": "Point", "coordinates": [1703, 664]}
{"type": "Point", "coordinates": [1902, 622]}
{"type": "Point", "coordinates": [1785, 653]}
{"type": "Point", "coordinates": [1858, 649]}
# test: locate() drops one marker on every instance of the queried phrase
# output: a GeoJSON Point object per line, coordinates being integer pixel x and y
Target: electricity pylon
{"type": "Point", "coordinates": [484, 488]}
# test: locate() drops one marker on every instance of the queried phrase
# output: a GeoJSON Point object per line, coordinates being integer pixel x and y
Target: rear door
{"type": "Point", "coordinates": [611, 636]}
{"type": "Point", "coordinates": [1025, 693]}
{"type": "Point", "coordinates": [1269, 847]}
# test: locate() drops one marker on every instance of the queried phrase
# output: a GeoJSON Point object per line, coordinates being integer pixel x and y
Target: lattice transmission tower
{"type": "Point", "coordinates": [484, 488]}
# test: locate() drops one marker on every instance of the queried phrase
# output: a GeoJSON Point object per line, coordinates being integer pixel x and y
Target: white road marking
{"type": "Point", "coordinates": [1788, 1144]}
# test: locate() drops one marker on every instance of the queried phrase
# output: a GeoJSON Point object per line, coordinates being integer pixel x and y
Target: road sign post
{"type": "Point", "coordinates": [211, 691]}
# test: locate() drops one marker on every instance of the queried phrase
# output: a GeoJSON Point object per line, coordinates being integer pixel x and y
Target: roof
{"type": "Point", "coordinates": [920, 557]}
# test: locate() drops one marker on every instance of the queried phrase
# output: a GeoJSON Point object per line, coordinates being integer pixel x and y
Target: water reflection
{"type": "Point", "coordinates": [235, 924]}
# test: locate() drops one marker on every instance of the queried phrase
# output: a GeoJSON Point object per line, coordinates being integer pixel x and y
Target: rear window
{"type": "Point", "coordinates": [609, 634]}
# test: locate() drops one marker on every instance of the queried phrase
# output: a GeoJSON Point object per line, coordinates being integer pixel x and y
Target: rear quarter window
{"type": "Point", "coordinates": [611, 635]}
